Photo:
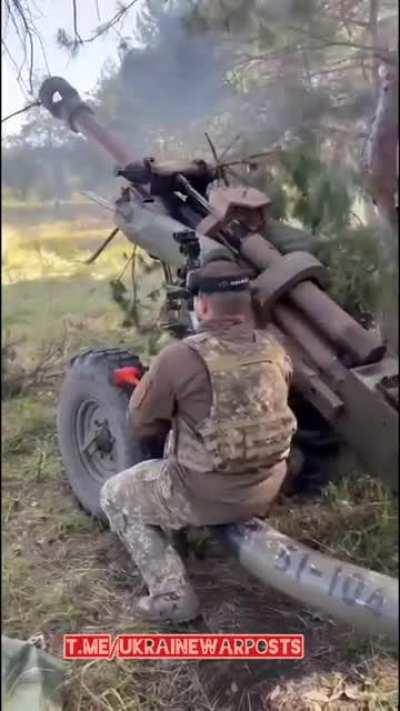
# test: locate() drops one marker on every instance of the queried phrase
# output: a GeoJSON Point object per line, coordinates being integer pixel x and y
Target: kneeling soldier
{"type": "Point", "coordinates": [222, 397]}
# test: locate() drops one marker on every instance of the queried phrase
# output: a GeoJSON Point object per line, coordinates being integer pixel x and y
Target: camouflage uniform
{"type": "Point", "coordinates": [142, 505]}
{"type": "Point", "coordinates": [250, 425]}
{"type": "Point", "coordinates": [247, 433]}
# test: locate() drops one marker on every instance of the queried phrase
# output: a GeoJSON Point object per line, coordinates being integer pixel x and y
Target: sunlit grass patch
{"type": "Point", "coordinates": [61, 255]}
{"type": "Point", "coordinates": [39, 309]}
{"type": "Point", "coordinates": [47, 290]}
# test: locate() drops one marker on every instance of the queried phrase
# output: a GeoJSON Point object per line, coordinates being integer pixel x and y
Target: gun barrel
{"type": "Point", "coordinates": [65, 104]}
{"type": "Point", "coordinates": [88, 125]}
{"type": "Point", "coordinates": [363, 598]}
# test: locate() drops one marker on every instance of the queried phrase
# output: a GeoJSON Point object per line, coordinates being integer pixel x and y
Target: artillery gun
{"type": "Point", "coordinates": [345, 387]}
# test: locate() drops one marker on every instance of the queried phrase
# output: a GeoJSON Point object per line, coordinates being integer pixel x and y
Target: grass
{"type": "Point", "coordinates": [62, 572]}
{"type": "Point", "coordinates": [46, 285]}
{"type": "Point", "coordinates": [356, 520]}
{"type": "Point", "coordinates": [10, 201]}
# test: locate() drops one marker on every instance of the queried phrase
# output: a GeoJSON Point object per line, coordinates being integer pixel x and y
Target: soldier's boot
{"type": "Point", "coordinates": [171, 597]}
{"type": "Point", "coordinates": [176, 607]}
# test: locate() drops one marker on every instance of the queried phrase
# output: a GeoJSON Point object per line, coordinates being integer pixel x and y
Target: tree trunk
{"type": "Point", "coordinates": [373, 30]}
{"type": "Point", "coordinates": [381, 166]}
{"type": "Point", "coordinates": [382, 152]}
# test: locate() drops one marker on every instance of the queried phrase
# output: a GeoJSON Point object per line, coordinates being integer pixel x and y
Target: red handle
{"type": "Point", "coordinates": [129, 376]}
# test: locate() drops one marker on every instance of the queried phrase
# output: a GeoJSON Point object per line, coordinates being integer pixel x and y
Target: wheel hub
{"type": "Point", "coordinates": [96, 441]}
{"type": "Point", "coordinates": [103, 438]}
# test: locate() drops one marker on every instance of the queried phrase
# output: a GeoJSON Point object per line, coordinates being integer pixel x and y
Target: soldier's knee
{"type": "Point", "coordinates": [109, 502]}
{"type": "Point", "coordinates": [106, 492]}
{"type": "Point", "coordinates": [116, 487]}
{"type": "Point", "coordinates": [120, 496]}
{"type": "Point", "coordinates": [109, 496]}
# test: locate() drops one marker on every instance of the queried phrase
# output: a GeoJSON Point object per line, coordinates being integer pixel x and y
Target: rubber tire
{"type": "Point", "coordinates": [88, 379]}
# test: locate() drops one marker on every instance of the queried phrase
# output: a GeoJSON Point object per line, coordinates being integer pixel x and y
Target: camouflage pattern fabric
{"type": "Point", "coordinates": [142, 503]}
{"type": "Point", "coordinates": [31, 678]}
{"type": "Point", "coordinates": [250, 425]}
{"type": "Point", "coordinates": [248, 431]}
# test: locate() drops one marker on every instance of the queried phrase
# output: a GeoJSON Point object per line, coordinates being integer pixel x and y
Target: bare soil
{"type": "Point", "coordinates": [63, 572]}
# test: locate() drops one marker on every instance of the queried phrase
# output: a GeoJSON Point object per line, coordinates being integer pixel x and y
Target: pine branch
{"type": "Point", "coordinates": [78, 38]}
{"type": "Point", "coordinates": [124, 9]}
{"type": "Point", "coordinates": [38, 36]}
{"type": "Point", "coordinates": [290, 50]}
{"type": "Point", "coordinates": [20, 111]}
{"type": "Point", "coordinates": [28, 36]}
{"type": "Point", "coordinates": [98, 10]}
{"type": "Point", "coordinates": [379, 52]}
{"type": "Point", "coordinates": [22, 42]}
{"type": "Point", "coordinates": [17, 69]}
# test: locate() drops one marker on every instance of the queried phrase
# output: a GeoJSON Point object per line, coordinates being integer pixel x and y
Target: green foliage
{"type": "Point", "coordinates": [288, 67]}
{"type": "Point", "coordinates": [355, 269]}
{"type": "Point", "coordinates": [129, 306]}
{"type": "Point", "coordinates": [325, 199]}
{"type": "Point", "coordinates": [372, 543]}
{"type": "Point", "coordinates": [357, 505]}
{"type": "Point", "coordinates": [301, 163]}
{"type": "Point", "coordinates": [322, 195]}
{"type": "Point", "coordinates": [276, 192]}
{"type": "Point", "coordinates": [132, 300]}
{"type": "Point", "coordinates": [330, 202]}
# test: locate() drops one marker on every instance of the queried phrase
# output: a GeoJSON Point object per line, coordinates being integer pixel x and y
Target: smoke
{"type": "Point", "coordinates": [184, 78]}
{"type": "Point", "coordinates": [180, 77]}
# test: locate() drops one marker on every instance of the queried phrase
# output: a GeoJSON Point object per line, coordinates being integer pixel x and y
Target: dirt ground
{"type": "Point", "coordinates": [63, 572]}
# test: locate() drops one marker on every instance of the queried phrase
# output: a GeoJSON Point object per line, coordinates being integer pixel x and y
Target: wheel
{"type": "Point", "coordinates": [94, 437]}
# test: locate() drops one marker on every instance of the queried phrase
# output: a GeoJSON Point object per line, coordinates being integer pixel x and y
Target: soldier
{"type": "Point", "coordinates": [222, 398]}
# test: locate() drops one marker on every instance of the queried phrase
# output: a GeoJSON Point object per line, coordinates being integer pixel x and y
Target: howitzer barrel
{"type": "Point", "coordinates": [86, 123]}
{"type": "Point", "coordinates": [355, 400]}
{"type": "Point", "coordinates": [143, 226]}
{"type": "Point", "coordinates": [343, 332]}
{"type": "Point", "coordinates": [341, 369]}
{"type": "Point", "coordinates": [363, 598]}
{"type": "Point", "coordinates": [64, 103]}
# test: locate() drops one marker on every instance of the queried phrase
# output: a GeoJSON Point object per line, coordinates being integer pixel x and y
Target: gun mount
{"type": "Point", "coordinates": [341, 369]}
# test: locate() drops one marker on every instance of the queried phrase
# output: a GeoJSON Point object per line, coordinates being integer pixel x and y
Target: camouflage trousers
{"type": "Point", "coordinates": [142, 504]}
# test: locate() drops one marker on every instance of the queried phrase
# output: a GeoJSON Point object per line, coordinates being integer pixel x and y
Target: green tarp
{"type": "Point", "coordinates": [31, 678]}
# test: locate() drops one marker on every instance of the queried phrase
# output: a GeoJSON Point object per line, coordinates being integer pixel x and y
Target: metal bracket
{"type": "Point", "coordinates": [275, 281]}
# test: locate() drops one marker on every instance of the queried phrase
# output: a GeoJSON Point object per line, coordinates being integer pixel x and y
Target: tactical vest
{"type": "Point", "coordinates": [250, 425]}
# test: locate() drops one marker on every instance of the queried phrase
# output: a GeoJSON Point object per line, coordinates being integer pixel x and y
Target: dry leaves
{"type": "Point", "coordinates": [321, 693]}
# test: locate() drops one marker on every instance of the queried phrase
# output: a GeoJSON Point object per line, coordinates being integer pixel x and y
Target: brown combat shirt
{"type": "Point", "coordinates": [178, 380]}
